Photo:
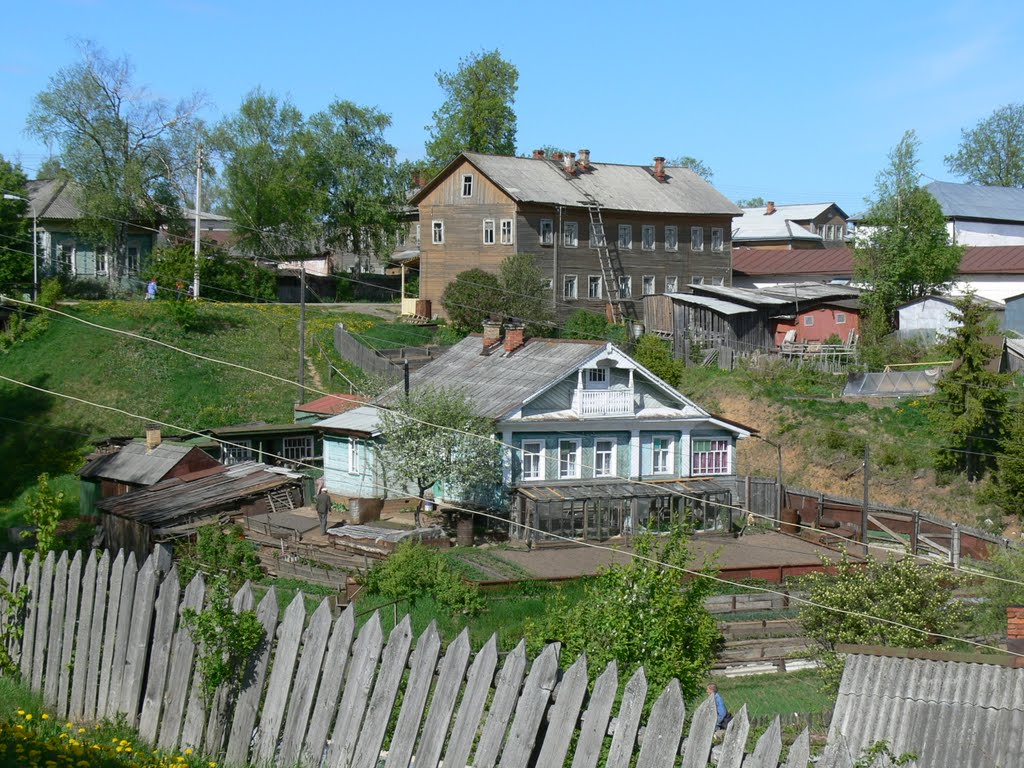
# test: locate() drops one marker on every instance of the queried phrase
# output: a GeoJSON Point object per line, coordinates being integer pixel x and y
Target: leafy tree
{"type": "Point", "coordinates": [523, 294]}
{"type": "Point", "coordinates": [51, 168]}
{"type": "Point", "coordinates": [989, 615]}
{"type": "Point", "coordinates": [471, 298]}
{"type": "Point", "coordinates": [970, 399]}
{"type": "Point", "coordinates": [906, 253]}
{"type": "Point", "coordinates": [124, 148]}
{"type": "Point", "coordinates": [414, 571]}
{"type": "Point", "coordinates": [1007, 490]}
{"type": "Point", "coordinates": [360, 184]}
{"type": "Point", "coordinates": [45, 508]}
{"type": "Point", "coordinates": [15, 227]}
{"type": "Point", "coordinates": [583, 324]}
{"type": "Point", "coordinates": [655, 354]}
{"type": "Point", "coordinates": [434, 436]}
{"type": "Point", "coordinates": [992, 152]}
{"type": "Point", "coordinates": [477, 114]}
{"type": "Point", "coordinates": [222, 278]}
{"type": "Point", "coordinates": [699, 167]}
{"type": "Point", "coordinates": [220, 553]}
{"type": "Point", "coordinates": [641, 614]}
{"type": "Point", "coordinates": [844, 607]}
{"type": "Point", "coordinates": [269, 189]}
{"type": "Point", "coordinates": [752, 202]}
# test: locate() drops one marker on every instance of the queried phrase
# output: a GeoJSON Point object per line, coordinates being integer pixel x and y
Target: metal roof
{"type": "Point", "coordinates": [751, 295]}
{"type": "Point", "coordinates": [209, 491]}
{"type": "Point", "coordinates": [951, 300]}
{"type": "Point", "coordinates": [716, 305]}
{"type": "Point", "coordinates": [333, 404]}
{"type": "Point", "coordinates": [135, 464]}
{"type": "Point", "coordinates": [973, 201]}
{"type": "Point", "coordinates": [363, 419]}
{"type": "Point", "coordinates": [796, 211]}
{"type": "Point", "coordinates": [577, 490]}
{"type": "Point", "coordinates": [798, 261]}
{"type": "Point", "coordinates": [970, 715]}
{"type": "Point", "coordinates": [754, 225]}
{"type": "Point", "coordinates": [54, 199]}
{"type": "Point", "coordinates": [993, 259]}
{"type": "Point", "coordinates": [1016, 346]}
{"type": "Point", "coordinates": [615, 187]}
{"type": "Point", "coordinates": [812, 291]}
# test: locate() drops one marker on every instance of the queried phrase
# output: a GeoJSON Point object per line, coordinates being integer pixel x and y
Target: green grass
{"type": "Point", "coordinates": [775, 694]}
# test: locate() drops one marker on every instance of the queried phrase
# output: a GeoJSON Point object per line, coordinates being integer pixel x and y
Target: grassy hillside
{"type": "Point", "coordinates": [42, 433]}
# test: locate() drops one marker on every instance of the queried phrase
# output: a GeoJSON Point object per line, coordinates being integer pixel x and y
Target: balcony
{"type": "Point", "coordinates": [596, 403]}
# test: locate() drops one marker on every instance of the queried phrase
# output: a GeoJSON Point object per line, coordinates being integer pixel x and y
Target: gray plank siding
{"type": "Point", "coordinates": [279, 685]}
{"type": "Point", "coordinates": [314, 643]}
{"type": "Point", "coordinates": [664, 730]}
{"type": "Point", "coordinates": [180, 673]}
{"type": "Point", "coordinates": [138, 641]}
{"type": "Point", "coordinates": [595, 720]}
{"type": "Point", "coordinates": [58, 603]}
{"type": "Point", "coordinates": [505, 696]}
{"type": "Point", "coordinates": [101, 603]}
{"type": "Point", "coordinates": [120, 640]}
{"type": "Point", "coordinates": [702, 731]}
{"type": "Point", "coordinates": [449, 681]}
{"type": "Point", "coordinates": [76, 703]}
{"type": "Point", "coordinates": [628, 721]}
{"type": "Point", "coordinates": [564, 714]}
{"type": "Point", "coordinates": [42, 622]}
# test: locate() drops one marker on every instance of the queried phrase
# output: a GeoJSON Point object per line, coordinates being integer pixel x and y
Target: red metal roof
{"type": "Point", "coordinates": [837, 262]}
{"type": "Point", "coordinates": [332, 405]}
{"type": "Point", "coordinates": [993, 259]}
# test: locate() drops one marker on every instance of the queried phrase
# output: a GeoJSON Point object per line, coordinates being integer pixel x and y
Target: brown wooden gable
{"type": "Point", "coordinates": [447, 191]}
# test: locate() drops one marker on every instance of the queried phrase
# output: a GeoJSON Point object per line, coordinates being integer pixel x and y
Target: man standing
{"type": "Point", "coordinates": [723, 713]}
{"type": "Point", "coordinates": [323, 506]}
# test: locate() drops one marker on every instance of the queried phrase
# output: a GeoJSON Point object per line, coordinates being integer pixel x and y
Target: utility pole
{"type": "Point", "coordinates": [195, 244]}
{"type": "Point", "coordinates": [302, 331]}
{"type": "Point", "coordinates": [864, 509]}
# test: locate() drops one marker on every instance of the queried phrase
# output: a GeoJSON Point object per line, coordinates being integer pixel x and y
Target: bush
{"type": "Point", "coordinates": [413, 571]}
{"type": "Point", "coordinates": [50, 292]}
{"type": "Point", "coordinates": [220, 551]}
{"type": "Point", "coordinates": [655, 354]}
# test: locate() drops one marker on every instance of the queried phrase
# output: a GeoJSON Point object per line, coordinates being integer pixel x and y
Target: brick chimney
{"type": "Point", "coordinates": [769, 208]}
{"type": "Point", "coordinates": [538, 154]}
{"type": "Point", "coordinates": [153, 437]}
{"type": "Point", "coordinates": [570, 164]}
{"type": "Point", "coordinates": [492, 335]}
{"type": "Point", "coordinates": [1015, 631]}
{"type": "Point", "coordinates": [659, 169]}
{"type": "Point", "coordinates": [557, 157]}
{"type": "Point", "coordinates": [514, 336]}
{"type": "Point", "coordinates": [584, 164]}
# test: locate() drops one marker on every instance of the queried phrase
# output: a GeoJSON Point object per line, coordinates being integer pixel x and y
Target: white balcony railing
{"type": "Point", "coordinates": [590, 403]}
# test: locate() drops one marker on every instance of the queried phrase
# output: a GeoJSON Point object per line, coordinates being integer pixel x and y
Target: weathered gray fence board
{"type": "Point", "coordinates": [58, 605]}
{"type": "Point", "coordinates": [181, 668]}
{"type": "Point", "coordinates": [42, 621]}
{"type": "Point", "coordinates": [505, 695]}
{"type": "Point", "coordinates": [335, 665]}
{"type": "Point", "coordinates": [247, 705]}
{"type": "Point", "coordinates": [281, 674]}
{"type": "Point", "coordinates": [424, 662]}
{"type": "Point", "coordinates": [160, 655]}
{"type": "Point", "coordinates": [100, 604]}
{"type": "Point", "coordinates": [595, 719]}
{"type": "Point", "coordinates": [7, 575]}
{"type": "Point", "coordinates": [314, 643]}
{"type": "Point", "coordinates": [836, 754]}
{"type": "Point", "coordinates": [735, 741]}
{"type": "Point", "coordinates": [31, 619]}
{"type": "Point", "coordinates": [628, 721]}
{"type": "Point", "coordinates": [67, 655]}
{"type": "Point", "coordinates": [799, 751]}
{"type": "Point", "coordinates": [382, 701]}
{"type": "Point", "coordinates": [702, 731]}
{"type": "Point", "coordinates": [219, 717]}
{"type": "Point", "coordinates": [564, 714]}
{"type": "Point", "coordinates": [664, 730]}
{"type": "Point", "coordinates": [442, 705]}
{"type": "Point", "coordinates": [118, 640]}
{"type": "Point", "coordinates": [365, 655]}
{"type": "Point", "coordinates": [138, 641]}
{"type": "Point", "coordinates": [76, 701]}
{"type": "Point", "coordinates": [768, 748]}
{"type": "Point", "coordinates": [14, 644]}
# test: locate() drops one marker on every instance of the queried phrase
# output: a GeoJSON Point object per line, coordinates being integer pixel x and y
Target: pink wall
{"type": "Point", "coordinates": [824, 324]}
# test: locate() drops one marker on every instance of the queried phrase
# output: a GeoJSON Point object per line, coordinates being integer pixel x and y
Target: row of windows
{"type": "Point", "coordinates": [571, 236]}
{"type": "Point", "coordinates": [595, 285]}
{"type": "Point", "coordinates": [292, 448]}
{"type": "Point", "coordinates": [708, 457]}
{"type": "Point", "coordinates": [840, 319]}
{"type": "Point", "coordinates": [830, 231]}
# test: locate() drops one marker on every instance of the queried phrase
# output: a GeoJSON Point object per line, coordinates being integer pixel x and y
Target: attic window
{"type": "Point", "coordinates": [467, 185]}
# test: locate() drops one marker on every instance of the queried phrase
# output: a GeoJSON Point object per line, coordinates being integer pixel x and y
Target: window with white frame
{"type": "Point", "coordinates": [625, 236]}
{"type": "Point", "coordinates": [595, 287]}
{"type": "Point", "coordinates": [697, 280]}
{"type": "Point", "coordinates": [547, 284]}
{"type": "Point", "coordinates": [672, 238]}
{"type": "Point", "coordinates": [353, 456]}
{"type": "Point", "coordinates": [547, 232]}
{"type": "Point", "coordinates": [671, 284]}
{"type": "Point", "coordinates": [604, 458]}
{"type": "Point", "coordinates": [467, 185]}
{"type": "Point", "coordinates": [717, 280]}
{"type": "Point", "coordinates": [596, 235]}
{"type": "Point", "coordinates": [647, 237]}
{"type": "Point", "coordinates": [710, 456]}
{"type": "Point", "coordinates": [297, 448]}
{"type": "Point", "coordinates": [533, 460]}
{"type": "Point", "coordinates": [570, 234]}
{"type": "Point", "coordinates": [648, 285]}
{"type": "Point", "coordinates": [437, 231]}
{"type": "Point", "coordinates": [236, 452]}
{"type": "Point", "coordinates": [570, 287]}
{"type": "Point", "coordinates": [840, 318]}
{"type": "Point", "coordinates": [696, 238]}
{"type": "Point", "coordinates": [506, 232]}
{"type": "Point", "coordinates": [625, 287]}
{"type": "Point", "coordinates": [488, 231]}
{"type": "Point", "coordinates": [597, 378]}
{"type": "Point", "coordinates": [809, 320]}
{"type": "Point", "coordinates": [662, 454]}
{"type": "Point", "coordinates": [568, 459]}
{"type": "Point", "coordinates": [717, 238]}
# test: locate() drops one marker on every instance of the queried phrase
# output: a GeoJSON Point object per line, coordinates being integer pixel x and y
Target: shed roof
{"type": "Point", "coordinates": [747, 295]}
{"type": "Point", "coordinates": [970, 715]}
{"type": "Point", "coordinates": [779, 261]}
{"type": "Point", "coordinates": [181, 498]}
{"type": "Point", "coordinates": [615, 187]}
{"type": "Point", "coordinates": [974, 201]}
{"type": "Point", "coordinates": [331, 405]}
{"type": "Point", "coordinates": [135, 464]}
{"type": "Point", "coordinates": [951, 300]}
{"type": "Point", "coordinates": [365, 419]}
{"type": "Point", "coordinates": [573, 491]}
{"type": "Point", "coordinates": [716, 305]}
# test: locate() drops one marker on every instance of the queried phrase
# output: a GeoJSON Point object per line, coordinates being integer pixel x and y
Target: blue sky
{"type": "Point", "coordinates": [793, 101]}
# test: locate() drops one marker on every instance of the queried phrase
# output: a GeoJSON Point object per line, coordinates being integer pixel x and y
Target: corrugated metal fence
{"type": "Point", "coordinates": [102, 636]}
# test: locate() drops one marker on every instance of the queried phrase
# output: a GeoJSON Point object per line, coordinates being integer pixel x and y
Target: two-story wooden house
{"type": "Point", "coordinates": [604, 235]}
{"type": "Point", "coordinates": [809, 225]}
{"type": "Point", "coordinates": [595, 444]}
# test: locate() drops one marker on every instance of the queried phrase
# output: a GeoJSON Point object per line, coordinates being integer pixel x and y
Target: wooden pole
{"type": "Point", "coordinates": [864, 509]}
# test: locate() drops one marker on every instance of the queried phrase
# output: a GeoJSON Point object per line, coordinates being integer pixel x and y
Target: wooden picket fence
{"type": "Point", "coordinates": [102, 636]}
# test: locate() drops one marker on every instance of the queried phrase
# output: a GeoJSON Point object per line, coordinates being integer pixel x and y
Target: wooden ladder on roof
{"type": "Point", "coordinates": [609, 260]}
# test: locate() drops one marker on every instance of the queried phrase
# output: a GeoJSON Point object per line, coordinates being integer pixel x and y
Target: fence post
{"type": "Point", "coordinates": [954, 545]}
